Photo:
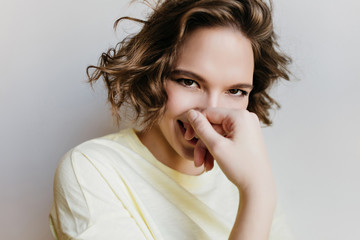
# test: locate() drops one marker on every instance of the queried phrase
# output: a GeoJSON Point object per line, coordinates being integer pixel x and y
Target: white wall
{"type": "Point", "coordinates": [46, 108]}
{"type": "Point", "coordinates": [315, 142]}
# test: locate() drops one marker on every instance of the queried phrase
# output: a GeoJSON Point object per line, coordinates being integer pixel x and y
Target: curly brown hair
{"type": "Point", "coordinates": [135, 70]}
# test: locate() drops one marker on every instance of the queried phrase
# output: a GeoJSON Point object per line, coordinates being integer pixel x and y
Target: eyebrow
{"type": "Point", "coordinates": [199, 78]}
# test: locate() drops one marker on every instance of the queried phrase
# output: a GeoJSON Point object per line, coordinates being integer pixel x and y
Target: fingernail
{"type": "Point", "coordinates": [192, 114]}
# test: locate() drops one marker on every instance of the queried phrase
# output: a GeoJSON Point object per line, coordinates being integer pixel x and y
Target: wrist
{"type": "Point", "coordinates": [259, 193]}
{"type": "Point", "coordinates": [255, 214]}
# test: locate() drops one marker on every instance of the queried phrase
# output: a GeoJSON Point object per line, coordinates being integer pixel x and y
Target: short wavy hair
{"type": "Point", "coordinates": [136, 69]}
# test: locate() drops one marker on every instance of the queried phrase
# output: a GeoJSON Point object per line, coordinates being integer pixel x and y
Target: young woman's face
{"type": "Point", "coordinates": [214, 69]}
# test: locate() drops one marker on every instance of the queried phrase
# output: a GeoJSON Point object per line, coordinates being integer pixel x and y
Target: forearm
{"type": "Point", "coordinates": [254, 217]}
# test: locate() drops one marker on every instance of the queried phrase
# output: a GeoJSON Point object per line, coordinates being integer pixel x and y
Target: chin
{"type": "Point", "coordinates": [188, 156]}
{"type": "Point", "coordinates": [184, 151]}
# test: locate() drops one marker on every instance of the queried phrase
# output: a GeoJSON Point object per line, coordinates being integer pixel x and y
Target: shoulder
{"type": "Point", "coordinates": [117, 140]}
{"type": "Point", "coordinates": [88, 188]}
{"type": "Point", "coordinates": [94, 154]}
{"type": "Point", "coordinates": [92, 165]}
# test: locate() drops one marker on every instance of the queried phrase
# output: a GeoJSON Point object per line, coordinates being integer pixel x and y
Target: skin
{"type": "Point", "coordinates": [205, 75]}
{"type": "Point", "coordinates": [242, 157]}
{"type": "Point", "coordinates": [207, 98]}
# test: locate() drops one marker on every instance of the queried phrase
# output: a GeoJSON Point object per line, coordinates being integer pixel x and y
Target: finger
{"type": "Point", "coordinates": [209, 161]}
{"type": "Point", "coordinates": [224, 118]}
{"type": "Point", "coordinates": [199, 154]}
{"type": "Point", "coordinates": [229, 119]}
{"type": "Point", "coordinates": [219, 129]}
{"type": "Point", "coordinates": [203, 156]}
{"type": "Point", "coordinates": [189, 133]}
{"type": "Point", "coordinates": [216, 116]}
{"type": "Point", "coordinates": [203, 128]}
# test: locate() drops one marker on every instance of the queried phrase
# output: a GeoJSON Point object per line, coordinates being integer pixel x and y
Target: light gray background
{"type": "Point", "coordinates": [46, 108]}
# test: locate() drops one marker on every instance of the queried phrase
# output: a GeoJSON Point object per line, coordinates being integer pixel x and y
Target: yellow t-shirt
{"type": "Point", "coordinates": [114, 188]}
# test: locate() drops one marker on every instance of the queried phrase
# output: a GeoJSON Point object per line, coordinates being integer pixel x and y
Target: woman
{"type": "Point", "coordinates": [196, 76]}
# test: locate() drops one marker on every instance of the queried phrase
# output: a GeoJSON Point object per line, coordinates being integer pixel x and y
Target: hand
{"type": "Point", "coordinates": [233, 137]}
{"type": "Point", "coordinates": [238, 147]}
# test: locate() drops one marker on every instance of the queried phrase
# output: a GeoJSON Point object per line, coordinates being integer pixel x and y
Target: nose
{"type": "Point", "coordinates": [209, 100]}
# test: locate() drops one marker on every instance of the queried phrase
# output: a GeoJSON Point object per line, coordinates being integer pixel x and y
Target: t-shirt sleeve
{"type": "Point", "coordinates": [84, 205]}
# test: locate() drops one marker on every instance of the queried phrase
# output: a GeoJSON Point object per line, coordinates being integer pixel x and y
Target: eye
{"type": "Point", "coordinates": [237, 92]}
{"type": "Point", "coordinates": [187, 82]}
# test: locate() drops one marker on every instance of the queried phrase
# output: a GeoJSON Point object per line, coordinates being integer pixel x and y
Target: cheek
{"type": "Point", "coordinates": [179, 101]}
{"type": "Point", "coordinates": [245, 103]}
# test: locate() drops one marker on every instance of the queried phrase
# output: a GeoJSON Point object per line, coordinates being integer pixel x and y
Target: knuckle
{"type": "Point", "coordinates": [197, 122]}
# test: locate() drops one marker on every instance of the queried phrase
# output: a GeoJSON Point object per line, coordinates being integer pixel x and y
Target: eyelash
{"type": "Point", "coordinates": [183, 81]}
{"type": "Point", "coordinates": [242, 92]}
{"type": "Point", "coordinates": [188, 83]}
